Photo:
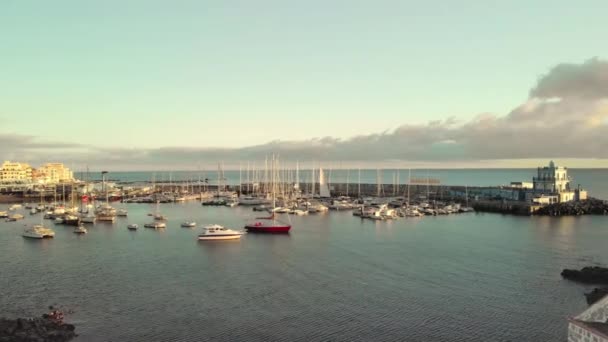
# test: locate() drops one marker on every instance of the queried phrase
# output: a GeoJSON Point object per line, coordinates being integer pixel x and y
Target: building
{"type": "Point", "coordinates": [552, 184]}
{"type": "Point", "coordinates": [591, 325]}
{"type": "Point", "coordinates": [53, 173]}
{"type": "Point", "coordinates": [522, 185]}
{"type": "Point", "coordinates": [13, 171]}
{"type": "Point", "coordinates": [551, 179]}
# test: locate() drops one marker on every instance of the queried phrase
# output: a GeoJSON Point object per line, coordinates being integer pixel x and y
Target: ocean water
{"type": "Point", "coordinates": [335, 277]}
{"type": "Point", "coordinates": [594, 180]}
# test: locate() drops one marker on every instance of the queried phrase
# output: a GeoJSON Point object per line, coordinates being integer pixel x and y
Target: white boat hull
{"type": "Point", "coordinates": [226, 237]}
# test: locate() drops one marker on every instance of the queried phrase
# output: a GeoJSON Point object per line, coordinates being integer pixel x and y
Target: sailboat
{"type": "Point", "coordinates": [38, 231]}
{"type": "Point", "coordinates": [157, 215]}
{"type": "Point", "coordinates": [269, 224]}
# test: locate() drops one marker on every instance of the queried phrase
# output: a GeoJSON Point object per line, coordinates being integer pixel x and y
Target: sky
{"type": "Point", "coordinates": [142, 84]}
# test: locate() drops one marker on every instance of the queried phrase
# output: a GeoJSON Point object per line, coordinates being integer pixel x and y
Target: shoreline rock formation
{"type": "Point", "coordinates": [48, 328]}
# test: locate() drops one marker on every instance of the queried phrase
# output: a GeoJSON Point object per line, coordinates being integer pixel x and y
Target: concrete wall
{"type": "Point", "coordinates": [578, 333]}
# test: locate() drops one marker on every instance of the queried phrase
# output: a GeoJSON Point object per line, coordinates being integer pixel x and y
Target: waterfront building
{"type": "Point", "coordinates": [53, 173]}
{"type": "Point", "coordinates": [14, 171]}
{"type": "Point", "coordinates": [552, 185]}
{"type": "Point", "coordinates": [551, 179]}
{"type": "Point", "coordinates": [591, 325]}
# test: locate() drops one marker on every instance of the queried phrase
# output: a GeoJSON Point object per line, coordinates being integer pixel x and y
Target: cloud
{"type": "Point", "coordinates": [566, 116]}
{"type": "Point", "coordinates": [588, 80]}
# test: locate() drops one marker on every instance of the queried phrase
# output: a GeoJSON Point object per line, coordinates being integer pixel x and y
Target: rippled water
{"type": "Point", "coordinates": [469, 277]}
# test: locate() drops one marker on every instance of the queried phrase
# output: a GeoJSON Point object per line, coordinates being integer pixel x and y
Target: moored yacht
{"type": "Point", "coordinates": [188, 224]}
{"type": "Point", "coordinates": [80, 230]}
{"type": "Point", "coordinates": [133, 226]}
{"type": "Point", "coordinates": [156, 225]}
{"type": "Point", "coordinates": [217, 232]}
{"type": "Point", "coordinates": [268, 225]}
{"type": "Point", "coordinates": [38, 232]}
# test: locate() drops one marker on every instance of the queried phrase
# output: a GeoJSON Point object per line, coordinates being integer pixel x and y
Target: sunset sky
{"type": "Point", "coordinates": [143, 84]}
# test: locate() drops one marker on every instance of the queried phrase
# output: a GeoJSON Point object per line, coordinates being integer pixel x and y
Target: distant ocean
{"type": "Point", "coordinates": [594, 180]}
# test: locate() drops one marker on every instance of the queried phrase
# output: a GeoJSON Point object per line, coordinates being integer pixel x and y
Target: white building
{"type": "Point", "coordinates": [13, 171]}
{"type": "Point", "coordinates": [591, 325]}
{"type": "Point", "coordinates": [54, 173]}
{"type": "Point", "coordinates": [552, 179]}
{"type": "Point", "coordinates": [552, 184]}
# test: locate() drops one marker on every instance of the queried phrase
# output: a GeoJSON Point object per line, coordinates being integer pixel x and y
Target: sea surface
{"type": "Point", "coordinates": [593, 180]}
{"type": "Point", "coordinates": [335, 277]}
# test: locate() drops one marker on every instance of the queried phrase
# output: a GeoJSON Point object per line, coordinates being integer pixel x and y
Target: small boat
{"type": "Point", "coordinates": [89, 218]}
{"type": "Point", "coordinates": [299, 212]}
{"type": "Point", "coordinates": [38, 232]}
{"type": "Point", "coordinates": [14, 218]}
{"type": "Point", "coordinates": [231, 203]}
{"type": "Point", "coordinates": [133, 226]}
{"type": "Point", "coordinates": [14, 207]}
{"type": "Point", "coordinates": [80, 230]}
{"type": "Point", "coordinates": [3, 214]}
{"type": "Point", "coordinates": [121, 212]}
{"type": "Point", "coordinates": [33, 211]}
{"type": "Point", "coordinates": [217, 232]}
{"type": "Point", "coordinates": [155, 225]}
{"type": "Point", "coordinates": [189, 224]}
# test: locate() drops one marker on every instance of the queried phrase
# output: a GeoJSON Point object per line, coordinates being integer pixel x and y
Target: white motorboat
{"type": "Point", "coordinates": [189, 224]}
{"type": "Point", "coordinates": [38, 232]}
{"type": "Point", "coordinates": [15, 217]}
{"type": "Point", "coordinates": [232, 203]}
{"type": "Point", "coordinates": [156, 225]}
{"type": "Point", "coordinates": [80, 230]}
{"type": "Point", "coordinates": [3, 214]}
{"type": "Point", "coordinates": [299, 212]}
{"type": "Point", "coordinates": [160, 217]}
{"type": "Point", "coordinates": [217, 232]}
{"type": "Point", "coordinates": [253, 200]}
{"type": "Point", "coordinates": [133, 226]}
{"type": "Point", "coordinates": [14, 207]}
{"type": "Point", "coordinates": [121, 212]}
{"type": "Point", "coordinates": [33, 211]}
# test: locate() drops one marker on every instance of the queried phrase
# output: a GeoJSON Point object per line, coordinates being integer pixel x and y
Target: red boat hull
{"type": "Point", "coordinates": [278, 229]}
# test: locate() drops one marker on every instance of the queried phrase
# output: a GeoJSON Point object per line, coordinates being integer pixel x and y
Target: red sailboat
{"type": "Point", "coordinates": [269, 224]}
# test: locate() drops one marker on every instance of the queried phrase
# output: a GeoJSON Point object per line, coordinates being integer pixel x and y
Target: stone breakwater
{"type": "Point", "coordinates": [591, 206]}
{"type": "Point", "coordinates": [41, 329]}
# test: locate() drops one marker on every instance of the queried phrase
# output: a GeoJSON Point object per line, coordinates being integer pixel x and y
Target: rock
{"type": "Point", "coordinates": [590, 275]}
{"type": "Point", "coordinates": [596, 295]}
{"type": "Point", "coordinates": [42, 329]}
{"type": "Point", "coordinates": [591, 206]}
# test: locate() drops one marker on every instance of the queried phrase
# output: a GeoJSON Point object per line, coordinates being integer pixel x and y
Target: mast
{"type": "Point", "coordinates": [347, 180]}
{"type": "Point", "coordinates": [103, 185]}
{"type": "Point", "coordinates": [359, 185]}
{"type": "Point", "coordinates": [409, 181]}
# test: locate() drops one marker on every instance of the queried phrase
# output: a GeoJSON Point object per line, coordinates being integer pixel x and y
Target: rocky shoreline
{"type": "Point", "coordinates": [591, 206]}
{"type": "Point", "coordinates": [48, 328]}
{"type": "Point", "coordinates": [590, 275]}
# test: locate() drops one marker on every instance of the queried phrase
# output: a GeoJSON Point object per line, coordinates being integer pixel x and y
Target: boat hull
{"type": "Point", "coordinates": [279, 229]}
{"type": "Point", "coordinates": [219, 237]}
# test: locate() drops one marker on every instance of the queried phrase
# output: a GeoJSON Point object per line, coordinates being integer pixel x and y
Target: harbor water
{"type": "Point", "coordinates": [335, 277]}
